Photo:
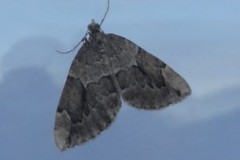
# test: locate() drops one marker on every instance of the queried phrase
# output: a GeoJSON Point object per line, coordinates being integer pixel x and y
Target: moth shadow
{"type": "Point", "coordinates": [28, 96]}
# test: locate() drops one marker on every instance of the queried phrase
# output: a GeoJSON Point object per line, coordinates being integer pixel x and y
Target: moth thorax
{"type": "Point", "coordinates": [94, 27]}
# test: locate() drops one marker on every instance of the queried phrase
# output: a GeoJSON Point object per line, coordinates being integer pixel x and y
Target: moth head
{"type": "Point", "coordinates": [94, 27]}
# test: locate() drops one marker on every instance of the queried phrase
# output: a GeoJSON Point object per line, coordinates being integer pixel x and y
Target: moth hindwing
{"type": "Point", "coordinates": [106, 68]}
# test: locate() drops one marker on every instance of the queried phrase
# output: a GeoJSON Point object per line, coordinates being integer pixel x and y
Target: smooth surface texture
{"type": "Point", "coordinates": [198, 39]}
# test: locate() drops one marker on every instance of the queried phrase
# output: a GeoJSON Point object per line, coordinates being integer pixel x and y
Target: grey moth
{"type": "Point", "coordinates": [106, 69]}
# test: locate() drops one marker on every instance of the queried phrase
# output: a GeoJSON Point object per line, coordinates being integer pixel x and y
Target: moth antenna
{"type": "Point", "coordinates": [108, 4]}
{"type": "Point", "coordinates": [83, 39]}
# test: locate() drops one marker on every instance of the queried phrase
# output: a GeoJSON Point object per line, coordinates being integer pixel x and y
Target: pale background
{"type": "Point", "coordinates": [199, 39]}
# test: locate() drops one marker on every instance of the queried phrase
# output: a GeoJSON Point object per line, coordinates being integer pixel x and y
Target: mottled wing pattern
{"type": "Point", "coordinates": [90, 99]}
{"type": "Point", "coordinates": [107, 67]}
{"type": "Point", "coordinates": [147, 82]}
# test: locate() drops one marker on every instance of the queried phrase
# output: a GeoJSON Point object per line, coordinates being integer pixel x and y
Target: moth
{"type": "Point", "coordinates": [106, 69]}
